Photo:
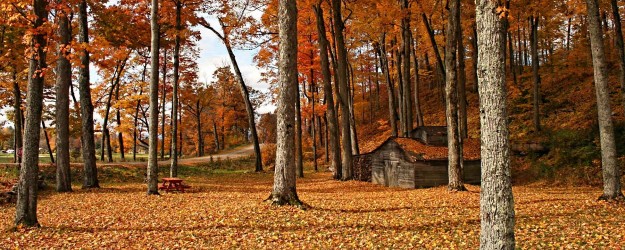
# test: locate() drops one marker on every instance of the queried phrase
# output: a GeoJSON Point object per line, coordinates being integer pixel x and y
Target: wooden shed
{"type": "Point", "coordinates": [411, 163]}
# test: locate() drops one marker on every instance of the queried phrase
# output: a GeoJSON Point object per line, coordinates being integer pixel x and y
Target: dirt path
{"type": "Point", "coordinates": [239, 152]}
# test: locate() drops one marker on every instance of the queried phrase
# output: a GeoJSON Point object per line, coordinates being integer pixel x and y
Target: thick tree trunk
{"type": "Point", "coordinates": [26, 208]}
{"type": "Point", "coordinates": [331, 116]}
{"type": "Point", "coordinates": [152, 171]}
{"type": "Point", "coordinates": [284, 189]}
{"type": "Point", "coordinates": [536, 74]}
{"type": "Point", "coordinates": [17, 118]}
{"type": "Point", "coordinates": [609, 163]}
{"type": "Point", "coordinates": [454, 140]}
{"type": "Point", "coordinates": [173, 168]}
{"type": "Point", "coordinates": [90, 179]}
{"type": "Point", "coordinates": [343, 90]}
{"type": "Point", "coordinates": [496, 200]}
{"type": "Point", "coordinates": [63, 80]}
{"type": "Point", "coordinates": [619, 46]}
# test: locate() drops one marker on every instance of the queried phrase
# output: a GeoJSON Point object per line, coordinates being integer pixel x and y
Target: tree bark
{"type": "Point", "coordinates": [454, 140]}
{"type": "Point", "coordinates": [609, 163]}
{"type": "Point", "coordinates": [496, 200]}
{"type": "Point", "coordinates": [90, 179]}
{"type": "Point", "coordinates": [284, 189]}
{"type": "Point", "coordinates": [331, 116]}
{"type": "Point", "coordinates": [63, 80]}
{"type": "Point", "coordinates": [536, 74]}
{"type": "Point", "coordinates": [152, 171]}
{"type": "Point", "coordinates": [343, 90]}
{"type": "Point", "coordinates": [26, 208]}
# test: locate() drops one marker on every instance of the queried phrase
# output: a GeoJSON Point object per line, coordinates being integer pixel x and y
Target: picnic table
{"type": "Point", "coordinates": [173, 184]}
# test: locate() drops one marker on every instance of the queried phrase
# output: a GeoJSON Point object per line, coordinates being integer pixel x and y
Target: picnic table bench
{"type": "Point", "coordinates": [173, 184]}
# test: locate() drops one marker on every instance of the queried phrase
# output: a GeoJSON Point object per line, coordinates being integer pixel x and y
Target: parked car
{"type": "Point", "coordinates": [10, 151]}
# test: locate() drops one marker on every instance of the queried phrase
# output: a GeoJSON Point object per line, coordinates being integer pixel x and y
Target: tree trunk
{"type": "Point", "coordinates": [216, 135]}
{"type": "Point", "coordinates": [163, 104]}
{"type": "Point", "coordinates": [173, 168]}
{"type": "Point", "coordinates": [299, 161]}
{"type": "Point", "coordinates": [120, 136]}
{"type": "Point", "coordinates": [454, 140]}
{"type": "Point", "coordinates": [17, 118]}
{"type": "Point", "coordinates": [462, 86]}
{"type": "Point", "coordinates": [419, 113]}
{"type": "Point", "coordinates": [26, 208]}
{"type": "Point", "coordinates": [496, 200]}
{"type": "Point", "coordinates": [313, 132]}
{"type": "Point", "coordinates": [352, 118]}
{"type": "Point", "coordinates": [536, 74]}
{"type": "Point", "coordinates": [136, 118]}
{"type": "Point", "coordinates": [45, 134]}
{"type": "Point", "coordinates": [609, 163]}
{"type": "Point", "coordinates": [511, 59]}
{"type": "Point", "coordinates": [284, 189]}
{"type": "Point", "coordinates": [331, 116]}
{"type": "Point", "coordinates": [248, 107]}
{"type": "Point", "coordinates": [407, 44]}
{"type": "Point", "coordinates": [343, 90]}
{"type": "Point", "coordinates": [439, 60]}
{"type": "Point", "coordinates": [152, 171]}
{"type": "Point", "coordinates": [90, 179]}
{"type": "Point", "coordinates": [619, 46]}
{"type": "Point", "coordinates": [63, 80]}
{"type": "Point", "coordinates": [474, 54]}
{"type": "Point", "coordinates": [390, 88]}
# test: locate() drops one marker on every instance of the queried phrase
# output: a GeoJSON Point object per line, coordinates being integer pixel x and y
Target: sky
{"type": "Point", "coordinates": [213, 54]}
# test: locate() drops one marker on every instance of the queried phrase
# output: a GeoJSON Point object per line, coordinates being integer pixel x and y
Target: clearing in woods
{"type": "Point", "coordinates": [225, 210]}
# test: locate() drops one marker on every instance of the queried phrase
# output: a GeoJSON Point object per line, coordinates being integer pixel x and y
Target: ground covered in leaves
{"type": "Point", "coordinates": [226, 210]}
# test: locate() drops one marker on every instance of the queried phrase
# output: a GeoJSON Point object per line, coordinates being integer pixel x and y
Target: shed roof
{"type": "Point", "coordinates": [419, 150]}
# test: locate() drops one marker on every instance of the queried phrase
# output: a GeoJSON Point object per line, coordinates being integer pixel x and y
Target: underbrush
{"type": "Point", "coordinates": [574, 156]}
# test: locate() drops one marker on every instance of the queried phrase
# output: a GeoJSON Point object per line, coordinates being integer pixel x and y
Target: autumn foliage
{"type": "Point", "coordinates": [226, 211]}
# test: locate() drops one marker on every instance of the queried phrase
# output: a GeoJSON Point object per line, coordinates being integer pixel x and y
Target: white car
{"type": "Point", "coordinates": [10, 151]}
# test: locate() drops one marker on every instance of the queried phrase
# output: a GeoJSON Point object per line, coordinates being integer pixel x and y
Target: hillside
{"type": "Point", "coordinates": [568, 119]}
